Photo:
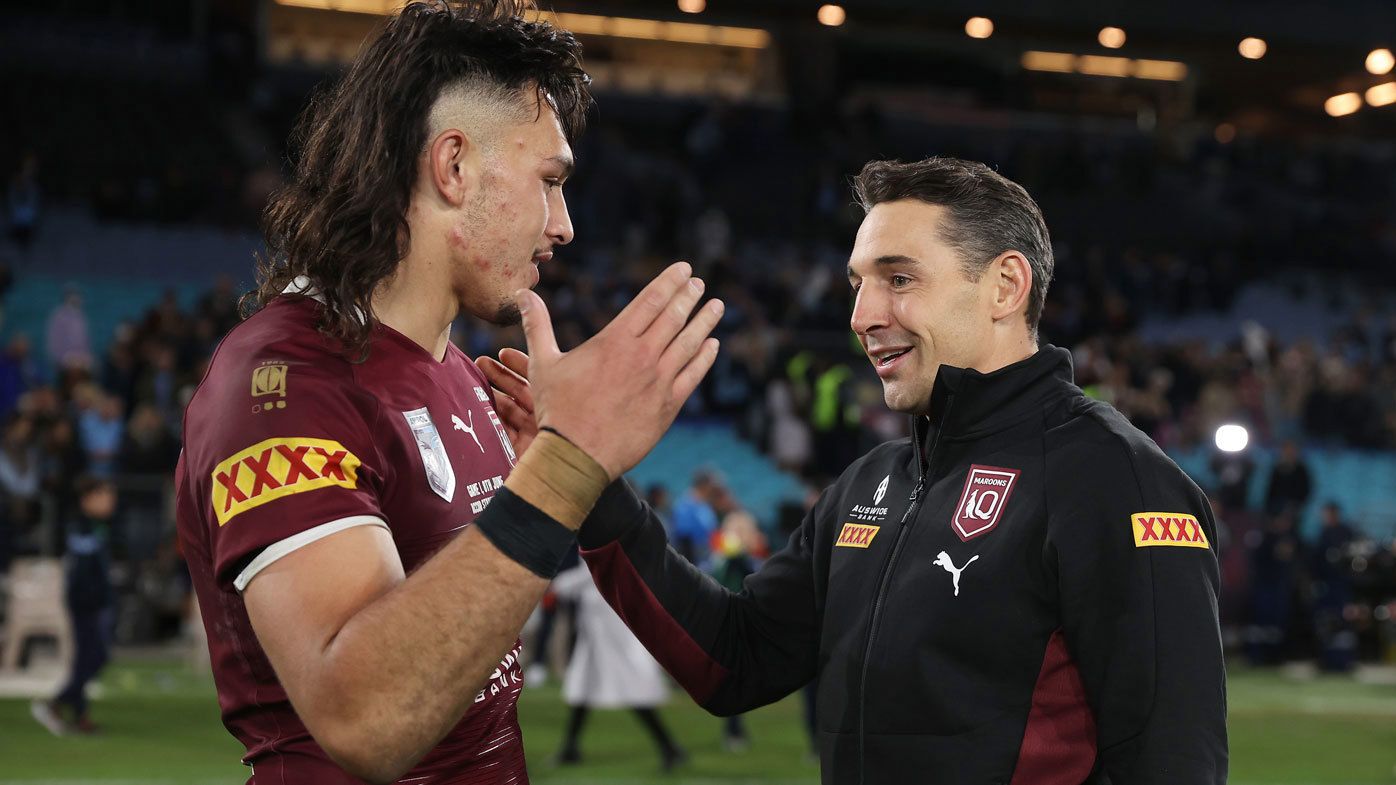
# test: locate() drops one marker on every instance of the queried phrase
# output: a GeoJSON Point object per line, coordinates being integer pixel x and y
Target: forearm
{"type": "Point", "coordinates": [731, 652]}
{"type": "Point", "coordinates": [402, 671]}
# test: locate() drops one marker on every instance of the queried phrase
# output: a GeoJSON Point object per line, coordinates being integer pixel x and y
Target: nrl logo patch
{"type": "Point", "coordinates": [982, 501]}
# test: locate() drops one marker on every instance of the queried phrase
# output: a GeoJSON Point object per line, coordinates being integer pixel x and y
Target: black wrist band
{"type": "Point", "coordinates": [525, 533]}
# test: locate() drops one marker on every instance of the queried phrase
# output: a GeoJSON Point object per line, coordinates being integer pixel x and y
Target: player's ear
{"type": "Point", "coordinates": [1010, 277]}
{"type": "Point", "coordinates": [452, 166]}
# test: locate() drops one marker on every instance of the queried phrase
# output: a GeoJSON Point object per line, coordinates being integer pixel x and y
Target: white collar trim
{"type": "Point", "coordinates": [301, 285]}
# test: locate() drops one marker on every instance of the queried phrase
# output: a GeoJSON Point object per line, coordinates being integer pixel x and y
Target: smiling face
{"type": "Point", "coordinates": [915, 307]}
{"type": "Point", "coordinates": [513, 219]}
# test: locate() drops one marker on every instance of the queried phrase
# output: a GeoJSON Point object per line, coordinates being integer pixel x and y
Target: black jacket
{"type": "Point", "coordinates": [1082, 646]}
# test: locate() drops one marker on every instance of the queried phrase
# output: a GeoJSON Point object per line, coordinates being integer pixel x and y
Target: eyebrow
{"type": "Point", "coordinates": [889, 261]}
{"type": "Point", "coordinates": [564, 161]}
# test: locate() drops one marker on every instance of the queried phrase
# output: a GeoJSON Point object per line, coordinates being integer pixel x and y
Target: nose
{"type": "Point", "coordinates": [559, 227]}
{"type": "Point", "coordinates": [869, 310]}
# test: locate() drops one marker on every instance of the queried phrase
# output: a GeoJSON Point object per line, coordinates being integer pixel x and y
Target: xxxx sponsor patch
{"type": "Point", "coordinates": [275, 468]}
{"type": "Point", "coordinates": [856, 535]}
{"type": "Point", "coordinates": [1167, 528]}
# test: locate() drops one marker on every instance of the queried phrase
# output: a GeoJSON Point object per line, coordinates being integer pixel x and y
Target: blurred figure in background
{"type": "Point", "coordinates": [738, 548]}
{"type": "Point", "coordinates": [609, 669]}
{"type": "Point", "coordinates": [1330, 566]}
{"type": "Point", "coordinates": [694, 520]}
{"type": "Point", "coordinates": [1290, 482]}
{"type": "Point", "coordinates": [66, 337]}
{"type": "Point", "coordinates": [90, 603]}
{"type": "Point", "coordinates": [1275, 559]}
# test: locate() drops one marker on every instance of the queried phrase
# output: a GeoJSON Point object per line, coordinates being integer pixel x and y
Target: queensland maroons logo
{"type": "Point", "coordinates": [982, 501]}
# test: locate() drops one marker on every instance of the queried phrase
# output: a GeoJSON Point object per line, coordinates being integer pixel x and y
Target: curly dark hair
{"type": "Point", "coordinates": [341, 219]}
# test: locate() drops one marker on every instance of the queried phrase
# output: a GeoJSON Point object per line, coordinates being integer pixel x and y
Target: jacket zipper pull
{"type": "Point", "coordinates": [917, 488]}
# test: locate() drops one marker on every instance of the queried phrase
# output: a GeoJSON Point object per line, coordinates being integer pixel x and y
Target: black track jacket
{"type": "Point", "coordinates": [1023, 593]}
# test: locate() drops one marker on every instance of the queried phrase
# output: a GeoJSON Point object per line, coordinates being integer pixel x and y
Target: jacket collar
{"type": "Point", "coordinates": [965, 402]}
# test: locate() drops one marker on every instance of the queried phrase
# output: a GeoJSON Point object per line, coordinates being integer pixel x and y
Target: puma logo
{"type": "Point", "coordinates": [458, 424]}
{"type": "Point", "coordinates": [943, 560]}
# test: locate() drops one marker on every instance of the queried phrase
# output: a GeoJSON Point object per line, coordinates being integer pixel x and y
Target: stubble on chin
{"type": "Point", "coordinates": [507, 315]}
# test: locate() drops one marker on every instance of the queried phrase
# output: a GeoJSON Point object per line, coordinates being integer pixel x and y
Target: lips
{"type": "Point", "coordinates": [886, 360]}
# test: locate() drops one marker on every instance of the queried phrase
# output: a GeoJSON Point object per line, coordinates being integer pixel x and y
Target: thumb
{"type": "Point", "coordinates": [537, 325]}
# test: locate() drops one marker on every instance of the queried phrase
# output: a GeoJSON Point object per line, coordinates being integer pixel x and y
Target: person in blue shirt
{"type": "Point", "coordinates": [694, 519]}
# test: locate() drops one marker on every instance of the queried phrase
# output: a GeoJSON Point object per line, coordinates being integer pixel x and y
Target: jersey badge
{"type": "Point", "coordinates": [986, 493]}
{"type": "Point", "coordinates": [1167, 528]}
{"type": "Point", "coordinates": [440, 476]}
{"type": "Point", "coordinates": [856, 535]}
{"type": "Point", "coordinates": [274, 468]}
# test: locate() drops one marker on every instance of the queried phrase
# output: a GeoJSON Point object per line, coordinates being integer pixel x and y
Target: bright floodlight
{"type": "Point", "coordinates": [693, 6]}
{"type": "Point", "coordinates": [979, 27]}
{"type": "Point", "coordinates": [1380, 61]}
{"type": "Point", "coordinates": [831, 15]}
{"type": "Point", "coordinates": [1232, 438]}
{"type": "Point", "coordinates": [1111, 37]}
{"type": "Point", "coordinates": [1252, 48]}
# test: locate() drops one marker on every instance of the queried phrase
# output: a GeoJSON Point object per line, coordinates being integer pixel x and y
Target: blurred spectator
{"type": "Point", "coordinates": [19, 488]}
{"type": "Point", "coordinates": [694, 519]}
{"type": "Point", "coordinates": [738, 548]}
{"type": "Point", "coordinates": [66, 337]}
{"type": "Point", "coordinates": [1331, 571]}
{"type": "Point", "coordinates": [1233, 471]}
{"type": "Point", "coordinates": [90, 602]}
{"type": "Point", "coordinates": [609, 669]}
{"type": "Point", "coordinates": [16, 373]}
{"type": "Point", "coordinates": [22, 202]}
{"type": "Point", "coordinates": [657, 496]}
{"type": "Point", "coordinates": [100, 431]}
{"type": "Point", "coordinates": [148, 456]}
{"type": "Point", "coordinates": [1276, 555]}
{"type": "Point", "coordinates": [1290, 485]}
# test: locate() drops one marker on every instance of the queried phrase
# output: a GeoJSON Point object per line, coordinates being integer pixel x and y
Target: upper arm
{"type": "Point", "coordinates": [300, 602]}
{"type": "Point", "coordinates": [1137, 579]}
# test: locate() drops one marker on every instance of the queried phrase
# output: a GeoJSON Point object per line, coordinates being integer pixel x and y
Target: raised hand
{"type": "Point", "coordinates": [616, 394]}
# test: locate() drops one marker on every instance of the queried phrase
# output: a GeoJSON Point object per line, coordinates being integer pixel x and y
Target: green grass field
{"type": "Point", "coordinates": [161, 728]}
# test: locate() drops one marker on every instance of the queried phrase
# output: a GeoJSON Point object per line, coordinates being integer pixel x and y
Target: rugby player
{"type": "Point", "coordinates": [363, 546]}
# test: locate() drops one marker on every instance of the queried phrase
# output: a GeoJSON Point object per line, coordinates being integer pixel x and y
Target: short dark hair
{"type": "Point", "coordinates": [341, 219]}
{"type": "Point", "coordinates": [989, 214]}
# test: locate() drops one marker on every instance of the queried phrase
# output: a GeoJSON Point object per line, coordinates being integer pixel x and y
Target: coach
{"type": "Point", "coordinates": [1023, 592]}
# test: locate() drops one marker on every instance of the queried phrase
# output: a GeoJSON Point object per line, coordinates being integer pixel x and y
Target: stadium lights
{"type": "Point", "coordinates": [1232, 438]}
{"type": "Point", "coordinates": [1104, 65]}
{"type": "Point", "coordinates": [1380, 62]}
{"type": "Point", "coordinates": [588, 24]}
{"type": "Point", "coordinates": [1252, 48]}
{"type": "Point", "coordinates": [1382, 94]}
{"type": "Point", "coordinates": [1343, 104]}
{"type": "Point", "coordinates": [1111, 37]}
{"type": "Point", "coordinates": [832, 15]}
{"type": "Point", "coordinates": [979, 27]}
{"type": "Point", "coordinates": [693, 6]}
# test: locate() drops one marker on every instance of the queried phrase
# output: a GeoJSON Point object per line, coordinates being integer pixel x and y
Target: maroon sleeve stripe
{"type": "Point", "coordinates": [1059, 742]}
{"type": "Point", "coordinates": [633, 600]}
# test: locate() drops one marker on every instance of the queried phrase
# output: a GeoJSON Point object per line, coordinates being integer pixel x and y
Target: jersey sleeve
{"type": "Point", "coordinates": [1131, 542]}
{"type": "Point", "coordinates": [282, 476]}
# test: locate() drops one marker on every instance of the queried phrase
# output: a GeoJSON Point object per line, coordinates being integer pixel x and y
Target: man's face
{"type": "Point", "coordinates": [915, 309]}
{"type": "Point", "coordinates": [515, 218]}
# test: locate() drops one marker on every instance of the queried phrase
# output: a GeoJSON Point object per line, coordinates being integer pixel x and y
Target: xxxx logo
{"type": "Point", "coordinates": [275, 468]}
{"type": "Point", "coordinates": [1167, 528]}
{"type": "Point", "coordinates": [856, 535]}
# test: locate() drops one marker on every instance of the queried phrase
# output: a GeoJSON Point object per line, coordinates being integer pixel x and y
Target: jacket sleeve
{"type": "Point", "coordinates": [1131, 541]}
{"type": "Point", "coordinates": [731, 651]}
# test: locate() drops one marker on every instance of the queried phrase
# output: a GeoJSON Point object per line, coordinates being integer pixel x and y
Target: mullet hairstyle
{"type": "Point", "coordinates": [988, 214]}
{"type": "Point", "coordinates": [341, 219]}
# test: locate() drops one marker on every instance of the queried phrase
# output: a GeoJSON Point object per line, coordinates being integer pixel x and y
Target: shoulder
{"type": "Point", "coordinates": [1096, 450]}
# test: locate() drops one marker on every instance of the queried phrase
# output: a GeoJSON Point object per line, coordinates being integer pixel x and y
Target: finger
{"type": "Point", "coordinates": [537, 325]}
{"type": "Point", "coordinates": [675, 315]}
{"type": "Point", "coordinates": [651, 301]}
{"type": "Point", "coordinates": [515, 361]}
{"type": "Point", "coordinates": [515, 419]}
{"type": "Point", "coordinates": [506, 381]}
{"type": "Point", "coordinates": [688, 342]}
{"type": "Point", "coordinates": [687, 380]}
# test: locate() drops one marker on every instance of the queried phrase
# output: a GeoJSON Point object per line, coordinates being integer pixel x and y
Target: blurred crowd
{"type": "Point", "coordinates": [764, 212]}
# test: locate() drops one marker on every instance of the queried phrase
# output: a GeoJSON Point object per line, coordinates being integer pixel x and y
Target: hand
{"type": "Point", "coordinates": [513, 398]}
{"type": "Point", "coordinates": [616, 394]}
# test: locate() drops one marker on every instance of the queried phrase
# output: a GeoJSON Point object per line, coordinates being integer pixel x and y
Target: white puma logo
{"type": "Point", "coordinates": [460, 425]}
{"type": "Point", "coordinates": [943, 560]}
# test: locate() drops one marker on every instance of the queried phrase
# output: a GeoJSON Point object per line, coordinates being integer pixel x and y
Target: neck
{"type": "Point", "coordinates": [1004, 353]}
{"type": "Point", "coordinates": [418, 300]}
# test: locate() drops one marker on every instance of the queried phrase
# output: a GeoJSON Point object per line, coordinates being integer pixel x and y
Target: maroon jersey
{"type": "Point", "coordinates": [287, 441]}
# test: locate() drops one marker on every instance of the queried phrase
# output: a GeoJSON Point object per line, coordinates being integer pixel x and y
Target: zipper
{"type": "Point", "coordinates": [888, 569]}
